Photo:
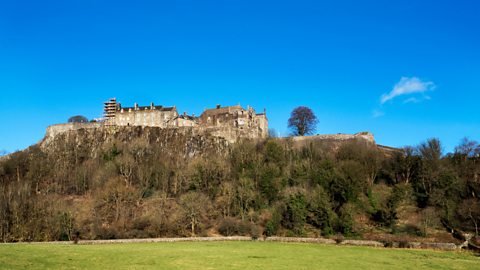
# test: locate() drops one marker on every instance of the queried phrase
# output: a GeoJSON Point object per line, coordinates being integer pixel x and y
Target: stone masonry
{"type": "Point", "coordinates": [231, 122]}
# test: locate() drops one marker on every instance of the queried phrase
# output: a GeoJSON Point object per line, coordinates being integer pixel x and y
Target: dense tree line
{"type": "Point", "coordinates": [269, 187]}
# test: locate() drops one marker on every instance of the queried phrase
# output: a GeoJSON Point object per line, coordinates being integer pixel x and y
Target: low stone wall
{"type": "Point", "coordinates": [300, 240]}
{"type": "Point", "coordinates": [167, 240]}
{"type": "Point", "coordinates": [367, 243]}
{"type": "Point", "coordinates": [440, 246]}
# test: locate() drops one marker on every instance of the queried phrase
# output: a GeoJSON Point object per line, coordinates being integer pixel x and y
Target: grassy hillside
{"type": "Point", "coordinates": [226, 255]}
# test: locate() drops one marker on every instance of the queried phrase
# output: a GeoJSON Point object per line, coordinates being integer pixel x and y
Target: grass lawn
{"type": "Point", "coordinates": [226, 255]}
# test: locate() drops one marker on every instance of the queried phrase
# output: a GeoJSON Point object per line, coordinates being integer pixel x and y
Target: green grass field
{"type": "Point", "coordinates": [226, 255]}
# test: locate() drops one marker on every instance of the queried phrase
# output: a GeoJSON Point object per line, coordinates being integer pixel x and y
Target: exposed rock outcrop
{"type": "Point", "coordinates": [91, 137]}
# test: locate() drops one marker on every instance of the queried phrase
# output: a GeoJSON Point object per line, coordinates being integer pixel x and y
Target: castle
{"type": "Point", "coordinates": [229, 122]}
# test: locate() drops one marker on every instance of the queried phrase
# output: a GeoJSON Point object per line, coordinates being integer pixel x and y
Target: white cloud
{"type": "Point", "coordinates": [411, 100]}
{"type": "Point", "coordinates": [377, 113]}
{"type": "Point", "coordinates": [407, 86]}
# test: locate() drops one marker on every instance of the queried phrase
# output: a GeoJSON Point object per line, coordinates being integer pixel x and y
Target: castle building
{"type": "Point", "coordinates": [235, 117]}
{"type": "Point", "coordinates": [230, 121]}
{"type": "Point", "coordinates": [154, 116]}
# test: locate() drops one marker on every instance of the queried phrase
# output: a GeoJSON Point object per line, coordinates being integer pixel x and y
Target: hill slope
{"type": "Point", "coordinates": [123, 182]}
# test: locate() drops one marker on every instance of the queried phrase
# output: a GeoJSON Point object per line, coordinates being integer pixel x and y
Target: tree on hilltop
{"type": "Point", "coordinates": [302, 121]}
{"type": "Point", "coordinates": [78, 119]}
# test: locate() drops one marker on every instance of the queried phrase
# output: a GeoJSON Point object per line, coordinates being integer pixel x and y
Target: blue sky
{"type": "Point", "coordinates": [404, 70]}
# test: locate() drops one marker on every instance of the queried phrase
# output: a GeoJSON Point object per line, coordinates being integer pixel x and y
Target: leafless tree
{"type": "Point", "coordinates": [302, 121]}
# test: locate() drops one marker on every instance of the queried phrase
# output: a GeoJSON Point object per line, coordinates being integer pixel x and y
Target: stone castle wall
{"type": "Point", "coordinates": [367, 136]}
{"type": "Point", "coordinates": [144, 117]}
{"type": "Point", "coordinates": [54, 130]}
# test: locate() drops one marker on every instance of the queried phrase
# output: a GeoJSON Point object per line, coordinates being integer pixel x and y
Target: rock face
{"type": "Point", "coordinates": [92, 136]}
{"type": "Point", "coordinates": [228, 133]}
{"type": "Point", "coordinates": [190, 141]}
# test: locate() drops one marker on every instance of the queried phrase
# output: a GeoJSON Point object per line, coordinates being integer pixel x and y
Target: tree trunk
{"type": "Point", "coordinates": [193, 226]}
{"type": "Point", "coordinates": [474, 223]}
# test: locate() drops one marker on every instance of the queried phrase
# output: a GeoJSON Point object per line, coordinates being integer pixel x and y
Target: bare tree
{"type": "Point", "coordinates": [429, 218]}
{"type": "Point", "coordinates": [246, 194]}
{"type": "Point", "coordinates": [431, 153]}
{"type": "Point", "coordinates": [225, 198]}
{"type": "Point", "coordinates": [467, 148]}
{"type": "Point", "coordinates": [470, 209]}
{"type": "Point", "coordinates": [302, 121]}
{"type": "Point", "coordinates": [195, 206]}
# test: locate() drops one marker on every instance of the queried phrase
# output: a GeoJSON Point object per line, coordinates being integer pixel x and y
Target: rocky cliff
{"type": "Point", "coordinates": [93, 136]}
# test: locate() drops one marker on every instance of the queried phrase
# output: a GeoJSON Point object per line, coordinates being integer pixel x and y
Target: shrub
{"type": "Point", "coordinates": [230, 226]}
{"type": "Point", "coordinates": [271, 228]}
{"type": "Point", "coordinates": [295, 213]}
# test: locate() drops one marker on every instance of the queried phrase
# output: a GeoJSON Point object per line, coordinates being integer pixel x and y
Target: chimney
{"type": "Point", "coordinates": [135, 106]}
{"type": "Point", "coordinates": [152, 106]}
{"type": "Point", "coordinates": [218, 106]}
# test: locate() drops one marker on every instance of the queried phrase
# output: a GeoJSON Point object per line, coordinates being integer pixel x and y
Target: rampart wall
{"type": "Point", "coordinates": [337, 137]}
{"type": "Point", "coordinates": [54, 130]}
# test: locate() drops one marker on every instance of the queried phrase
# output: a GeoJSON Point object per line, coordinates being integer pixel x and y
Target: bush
{"type": "Point", "coordinates": [230, 226]}
{"type": "Point", "coordinates": [106, 233]}
{"type": "Point", "coordinates": [271, 228]}
{"type": "Point", "coordinates": [338, 238]}
{"type": "Point", "coordinates": [255, 232]}
{"type": "Point", "coordinates": [295, 213]}
{"type": "Point", "coordinates": [383, 217]}
{"type": "Point", "coordinates": [345, 221]}
{"type": "Point", "coordinates": [403, 244]}
{"type": "Point", "coordinates": [141, 223]}
{"type": "Point", "coordinates": [388, 244]}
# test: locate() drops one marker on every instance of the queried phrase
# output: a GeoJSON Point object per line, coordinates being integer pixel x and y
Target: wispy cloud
{"type": "Point", "coordinates": [377, 113]}
{"type": "Point", "coordinates": [411, 100]}
{"type": "Point", "coordinates": [408, 86]}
